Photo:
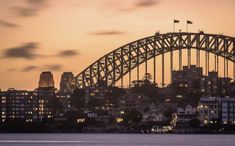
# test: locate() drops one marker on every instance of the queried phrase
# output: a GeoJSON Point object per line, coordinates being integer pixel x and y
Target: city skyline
{"type": "Point", "coordinates": [62, 36]}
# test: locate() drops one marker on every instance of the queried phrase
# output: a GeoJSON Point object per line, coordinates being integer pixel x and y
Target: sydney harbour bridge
{"type": "Point", "coordinates": [218, 50]}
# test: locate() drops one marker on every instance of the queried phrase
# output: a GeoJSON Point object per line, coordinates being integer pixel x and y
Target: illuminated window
{"type": "Point", "coordinates": [119, 120]}
{"type": "Point", "coordinates": [122, 112]}
{"type": "Point", "coordinates": [205, 122]}
{"type": "Point", "coordinates": [81, 120]}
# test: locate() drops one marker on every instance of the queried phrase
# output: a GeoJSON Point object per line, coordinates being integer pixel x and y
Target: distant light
{"type": "Point", "coordinates": [81, 120]}
{"type": "Point", "coordinates": [122, 112]}
{"type": "Point", "coordinates": [119, 120]}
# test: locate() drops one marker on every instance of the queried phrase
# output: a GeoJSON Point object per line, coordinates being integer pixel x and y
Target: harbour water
{"type": "Point", "coordinates": [52, 139]}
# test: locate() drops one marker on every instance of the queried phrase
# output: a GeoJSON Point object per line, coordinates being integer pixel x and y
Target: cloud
{"type": "Point", "coordinates": [53, 67]}
{"type": "Point", "coordinates": [11, 69]}
{"type": "Point", "coordinates": [26, 11]}
{"type": "Point", "coordinates": [50, 67]}
{"type": "Point", "coordinates": [37, 3]}
{"type": "Point", "coordinates": [25, 51]}
{"type": "Point", "coordinates": [127, 6]}
{"type": "Point", "coordinates": [67, 53]}
{"type": "Point", "coordinates": [108, 33]}
{"type": "Point", "coordinates": [28, 51]}
{"type": "Point", "coordinates": [7, 24]}
{"type": "Point", "coordinates": [29, 68]}
{"type": "Point", "coordinates": [147, 3]}
{"type": "Point", "coordinates": [32, 9]}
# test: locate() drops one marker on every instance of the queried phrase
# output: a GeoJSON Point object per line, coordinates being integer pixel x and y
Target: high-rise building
{"type": "Point", "coordinates": [15, 105]}
{"type": "Point", "coordinates": [66, 77]}
{"type": "Point", "coordinates": [46, 80]}
{"type": "Point", "coordinates": [214, 85]}
{"type": "Point", "coordinates": [27, 106]}
{"type": "Point", "coordinates": [187, 80]}
{"type": "Point", "coordinates": [187, 75]}
{"type": "Point", "coordinates": [192, 80]}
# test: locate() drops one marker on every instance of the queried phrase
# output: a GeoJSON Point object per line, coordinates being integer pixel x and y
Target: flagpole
{"type": "Point", "coordinates": [186, 26]}
{"type": "Point", "coordinates": [187, 23]}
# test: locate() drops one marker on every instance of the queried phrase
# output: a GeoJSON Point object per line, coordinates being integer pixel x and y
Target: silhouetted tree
{"type": "Point", "coordinates": [78, 98]}
{"type": "Point", "coordinates": [115, 94]}
{"type": "Point", "coordinates": [147, 88]}
{"type": "Point", "coordinates": [194, 123]}
{"type": "Point", "coordinates": [132, 117]}
{"type": "Point", "coordinates": [93, 102]}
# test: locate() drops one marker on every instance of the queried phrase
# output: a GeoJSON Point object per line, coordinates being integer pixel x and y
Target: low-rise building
{"type": "Point", "coordinates": [216, 109]}
{"type": "Point", "coordinates": [185, 114]}
{"type": "Point", "coordinates": [228, 111]}
{"type": "Point", "coordinates": [209, 110]}
{"type": "Point", "coordinates": [134, 101]}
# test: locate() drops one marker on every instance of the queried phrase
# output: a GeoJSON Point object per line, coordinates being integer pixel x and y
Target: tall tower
{"type": "Point", "coordinates": [46, 80]}
{"type": "Point", "coordinates": [66, 77]}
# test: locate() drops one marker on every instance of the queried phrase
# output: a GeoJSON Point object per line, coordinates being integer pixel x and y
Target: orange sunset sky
{"type": "Point", "coordinates": [69, 35]}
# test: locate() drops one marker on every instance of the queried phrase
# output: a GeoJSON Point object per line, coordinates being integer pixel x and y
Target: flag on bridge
{"type": "Point", "coordinates": [176, 21]}
{"type": "Point", "coordinates": [189, 22]}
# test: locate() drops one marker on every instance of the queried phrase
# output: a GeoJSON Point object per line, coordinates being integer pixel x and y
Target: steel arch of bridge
{"type": "Point", "coordinates": [114, 65]}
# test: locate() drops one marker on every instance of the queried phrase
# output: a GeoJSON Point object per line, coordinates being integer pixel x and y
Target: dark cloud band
{"type": "Point", "coordinates": [108, 33]}
{"type": "Point", "coordinates": [29, 51]}
{"type": "Point", "coordinates": [67, 53]}
{"type": "Point", "coordinates": [147, 3]}
{"type": "Point", "coordinates": [51, 67]}
{"type": "Point", "coordinates": [32, 9]}
{"type": "Point", "coordinates": [29, 68]}
{"type": "Point", "coordinates": [25, 11]}
{"type": "Point", "coordinates": [7, 24]}
{"type": "Point", "coordinates": [25, 51]}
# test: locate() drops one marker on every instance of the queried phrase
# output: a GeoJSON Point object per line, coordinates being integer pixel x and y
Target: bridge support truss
{"type": "Point", "coordinates": [115, 65]}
